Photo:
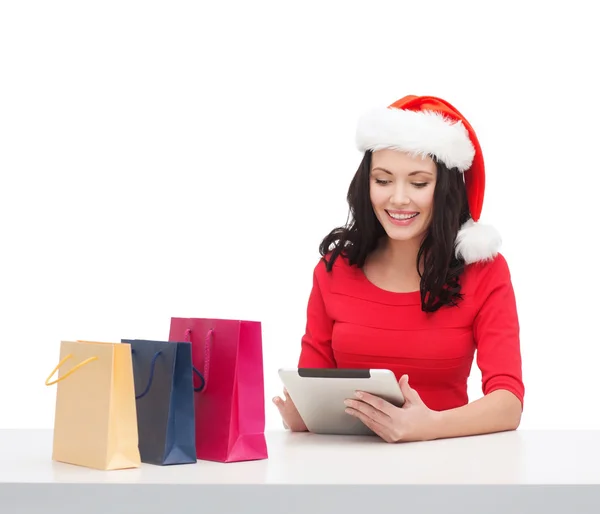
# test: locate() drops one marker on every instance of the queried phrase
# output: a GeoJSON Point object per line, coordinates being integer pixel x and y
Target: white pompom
{"type": "Point", "coordinates": [476, 242]}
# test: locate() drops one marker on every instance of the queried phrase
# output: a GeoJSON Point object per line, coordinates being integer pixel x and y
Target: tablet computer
{"type": "Point", "coordinates": [319, 396]}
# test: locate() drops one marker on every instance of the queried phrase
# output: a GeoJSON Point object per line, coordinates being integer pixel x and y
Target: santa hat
{"type": "Point", "coordinates": [430, 126]}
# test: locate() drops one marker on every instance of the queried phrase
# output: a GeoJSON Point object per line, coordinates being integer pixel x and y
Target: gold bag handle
{"type": "Point", "coordinates": [71, 371]}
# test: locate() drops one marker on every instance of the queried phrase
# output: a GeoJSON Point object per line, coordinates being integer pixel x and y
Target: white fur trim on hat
{"type": "Point", "coordinates": [476, 242]}
{"type": "Point", "coordinates": [425, 133]}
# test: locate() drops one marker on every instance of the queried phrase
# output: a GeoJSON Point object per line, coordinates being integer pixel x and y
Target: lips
{"type": "Point", "coordinates": [402, 215]}
{"type": "Point", "coordinates": [401, 219]}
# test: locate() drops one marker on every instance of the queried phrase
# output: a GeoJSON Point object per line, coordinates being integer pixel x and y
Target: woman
{"type": "Point", "coordinates": [415, 284]}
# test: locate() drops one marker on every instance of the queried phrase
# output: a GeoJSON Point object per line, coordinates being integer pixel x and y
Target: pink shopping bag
{"type": "Point", "coordinates": [229, 387]}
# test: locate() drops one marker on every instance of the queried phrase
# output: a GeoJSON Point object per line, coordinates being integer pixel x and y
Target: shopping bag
{"type": "Point", "coordinates": [95, 423]}
{"type": "Point", "coordinates": [229, 404]}
{"type": "Point", "coordinates": [162, 372]}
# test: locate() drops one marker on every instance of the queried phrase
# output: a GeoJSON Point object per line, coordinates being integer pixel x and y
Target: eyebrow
{"type": "Point", "coordinates": [410, 174]}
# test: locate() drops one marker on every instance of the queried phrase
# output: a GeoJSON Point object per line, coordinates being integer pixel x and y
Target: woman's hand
{"type": "Point", "coordinates": [289, 413]}
{"type": "Point", "coordinates": [414, 421]}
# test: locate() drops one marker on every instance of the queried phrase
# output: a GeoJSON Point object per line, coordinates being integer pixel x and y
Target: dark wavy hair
{"type": "Point", "coordinates": [440, 284]}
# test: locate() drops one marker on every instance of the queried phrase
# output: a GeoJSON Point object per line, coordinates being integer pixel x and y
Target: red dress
{"type": "Point", "coordinates": [351, 323]}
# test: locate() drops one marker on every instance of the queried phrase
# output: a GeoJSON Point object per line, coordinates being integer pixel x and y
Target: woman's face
{"type": "Point", "coordinates": [401, 190]}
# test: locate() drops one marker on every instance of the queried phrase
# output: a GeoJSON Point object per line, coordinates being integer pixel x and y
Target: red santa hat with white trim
{"type": "Point", "coordinates": [430, 126]}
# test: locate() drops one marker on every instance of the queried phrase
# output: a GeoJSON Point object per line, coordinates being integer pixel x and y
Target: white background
{"type": "Point", "coordinates": [170, 158]}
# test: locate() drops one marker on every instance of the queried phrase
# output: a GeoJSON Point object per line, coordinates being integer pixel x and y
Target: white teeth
{"type": "Point", "coordinates": [402, 216]}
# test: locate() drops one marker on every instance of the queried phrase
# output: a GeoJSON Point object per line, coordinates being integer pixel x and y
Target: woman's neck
{"type": "Point", "coordinates": [398, 255]}
{"type": "Point", "coordinates": [392, 266]}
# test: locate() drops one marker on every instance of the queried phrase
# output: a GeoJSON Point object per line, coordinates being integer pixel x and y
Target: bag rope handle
{"type": "Point", "coordinates": [68, 373]}
{"type": "Point", "coordinates": [207, 351]}
{"type": "Point", "coordinates": [151, 378]}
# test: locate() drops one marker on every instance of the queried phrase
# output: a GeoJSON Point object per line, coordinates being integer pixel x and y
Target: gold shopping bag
{"type": "Point", "coordinates": [95, 422]}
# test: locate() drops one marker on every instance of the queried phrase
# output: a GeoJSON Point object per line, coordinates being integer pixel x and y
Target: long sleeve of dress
{"type": "Point", "coordinates": [496, 332]}
{"type": "Point", "coordinates": [316, 342]}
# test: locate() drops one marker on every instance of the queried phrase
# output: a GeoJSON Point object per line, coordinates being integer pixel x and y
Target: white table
{"type": "Point", "coordinates": [512, 472]}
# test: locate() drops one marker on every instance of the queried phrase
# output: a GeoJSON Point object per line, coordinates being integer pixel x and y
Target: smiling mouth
{"type": "Point", "coordinates": [402, 217]}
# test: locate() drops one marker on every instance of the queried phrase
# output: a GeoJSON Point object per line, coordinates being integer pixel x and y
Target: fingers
{"type": "Point", "coordinates": [288, 413]}
{"type": "Point", "coordinates": [279, 403]}
{"type": "Point", "coordinates": [377, 403]}
{"type": "Point", "coordinates": [381, 430]}
{"type": "Point", "coordinates": [410, 395]}
{"type": "Point", "coordinates": [368, 410]}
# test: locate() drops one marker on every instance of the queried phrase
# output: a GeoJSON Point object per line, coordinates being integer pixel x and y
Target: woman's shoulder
{"type": "Point", "coordinates": [332, 263]}
{"type": "Point", "coordinates": [331, 267]}
{"type": "Point", "coordinates": [487, 272]}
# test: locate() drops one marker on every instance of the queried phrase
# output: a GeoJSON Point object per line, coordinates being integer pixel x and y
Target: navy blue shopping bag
{"type": "Point", "coordinates": [164, 391]}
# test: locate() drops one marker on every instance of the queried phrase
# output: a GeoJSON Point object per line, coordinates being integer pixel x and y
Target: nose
{"type": "Point", "coordinates": [399, 196]}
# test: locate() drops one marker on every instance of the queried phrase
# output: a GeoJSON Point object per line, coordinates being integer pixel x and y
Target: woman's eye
{"type": "Point", "coordinates": [382, 182]}
{"type": "Point", "coordinates": [420, 184]}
